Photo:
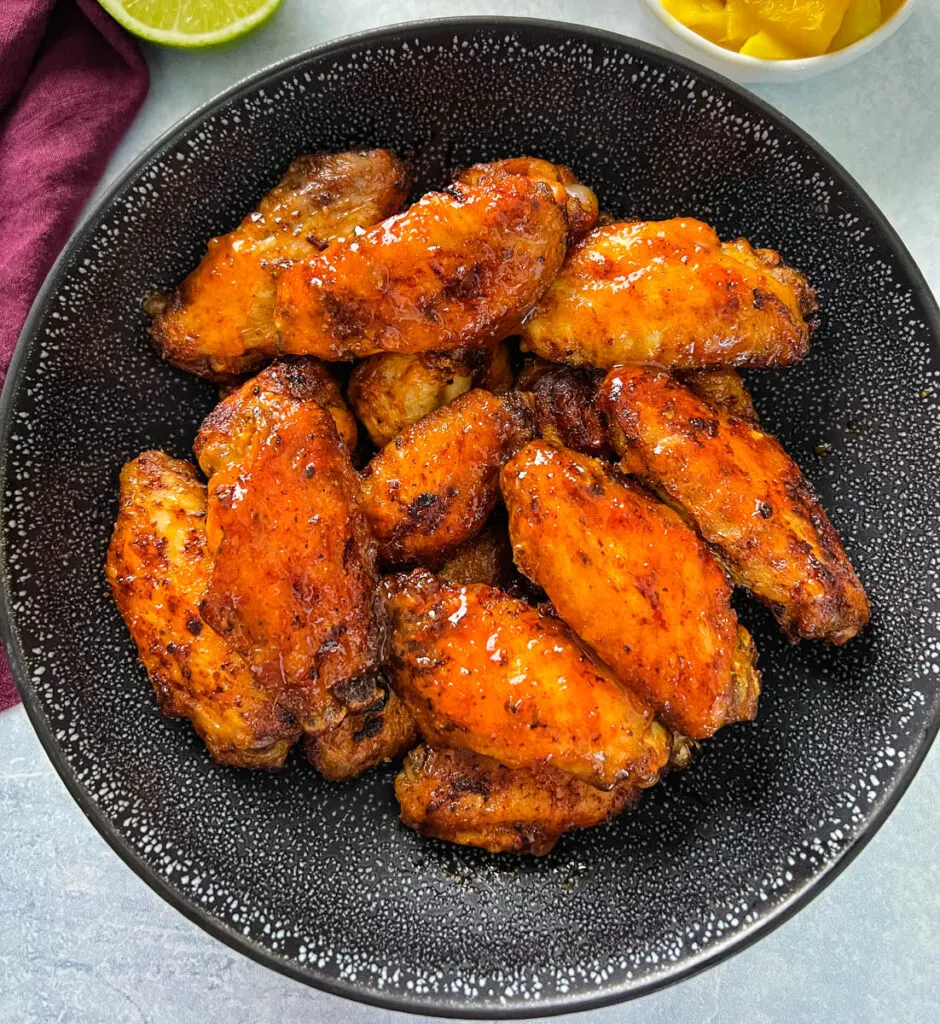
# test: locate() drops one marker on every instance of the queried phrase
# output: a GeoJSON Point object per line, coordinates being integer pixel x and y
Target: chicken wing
{"type": "Point", "coordinates": [671, 292]}
{"type": "Point", "coordinates": [433, 487]}
{"type": "Point", "coordinates": [724, 390]}
{"type": "Point", "coordinates": [464, 798]}
{"type": "Point", "coordinates": [293, 586]}
{"type": "Point", "coordinates": [158, 567]}
{"type": "Point", "coordinates": [578, 201]}
{"type": "Point", "coordinates": [631, 579]}
{"type": "Point", "coordinates": [487, 558]}
{"type": "Point", "coordinates": [747, 497]}
{"type": "Point", "coordinates": [482, 671]}
{"type": "Point", "coordinates": [459, 269]}
{"type": "Point", "coordinates": [565, 406]}
{"type": "Point", "coordinates": [391, 391]}
{"type": "Point", "coordinates": [364, 739]}
{"type": "Point", "coordinates": [220, 322]}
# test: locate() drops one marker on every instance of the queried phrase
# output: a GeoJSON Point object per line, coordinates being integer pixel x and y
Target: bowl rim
{"type": "Point", "coordinates": [200, 916]}
{"type": "Point", "coordinates": [744, 61]}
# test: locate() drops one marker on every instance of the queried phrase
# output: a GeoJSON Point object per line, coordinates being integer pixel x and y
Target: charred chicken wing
{"type": "Point", "coordinates": [390, 391]}
{"type": "Point", "coordinates": [747, 497]}
{"type": "Point", "coordinates": [670, 292]}
{"type": "Point", "coordinates": [723, 389]}
{"type": "Point", "coordinates": [482, 671]}
{"type": "Point", "coordinates": [459, 269]}
{"type": "Point", "coordinates": [220, 322]}
{"type": "Point", "coordinates": [565, 406]}
{"type": "Point", "coordinates": [464, 798]}
{"type": "Point", "coordinates": [635, 583]}
{"type": "Point", "coordinates": [433, 487]}
{"type": "Point", "coordinates": [363, 739]}
{"type": "Point", "coordinates": [293, 582]}
{"type": "Point", "coordinates": [158, 567]}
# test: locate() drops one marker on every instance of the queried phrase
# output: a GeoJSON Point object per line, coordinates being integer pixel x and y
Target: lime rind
{"type": "Point", "coordinates": [190, 40]}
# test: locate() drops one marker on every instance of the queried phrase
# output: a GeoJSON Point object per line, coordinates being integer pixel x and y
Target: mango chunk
{"type": "Point", "coordinates": [707, 17]}
{"type": "Point", "coordinates": [808, 26]}
{"type": "Point", "coordinates": [742, 24]}
{"type": "Point", "coordinates": [767, 47]}
{"type": "Point", "coordinates": [861, 19]}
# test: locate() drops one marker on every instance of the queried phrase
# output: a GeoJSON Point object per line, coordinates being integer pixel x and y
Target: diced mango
{"type": "Point", "coordinates": [742, 24]}
{"type": "Point", "coordinates": [707, 17]}
{"type": "Point", "coordinates": [861, 19]}
{"type": "Point", "coordinates": [767, 47]}
{"type": "Point", "coordinates": [808, 26]}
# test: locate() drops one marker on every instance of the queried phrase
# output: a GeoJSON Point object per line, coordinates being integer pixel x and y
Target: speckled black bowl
{"type": "Point", "coordinates": [320, 881]}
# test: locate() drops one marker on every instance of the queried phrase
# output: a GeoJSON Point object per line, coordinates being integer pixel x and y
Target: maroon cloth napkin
{"type": "Point", "coordinates": [71, 81]}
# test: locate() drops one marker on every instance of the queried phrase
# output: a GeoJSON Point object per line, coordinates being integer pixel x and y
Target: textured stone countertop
{"type": "Point", "coordinates": [82, 939]}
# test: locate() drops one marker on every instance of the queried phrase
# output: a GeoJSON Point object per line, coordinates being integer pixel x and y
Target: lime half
{"type": "Point", "coordinates": [190, 22]}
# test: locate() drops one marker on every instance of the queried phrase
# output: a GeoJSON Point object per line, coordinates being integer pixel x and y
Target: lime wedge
{"type": "Point", "coordinates": [190, 22]}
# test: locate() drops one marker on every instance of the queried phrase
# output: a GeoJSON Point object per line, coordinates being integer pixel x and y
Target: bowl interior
{"type": "Point", "coordinates": [320, 880]}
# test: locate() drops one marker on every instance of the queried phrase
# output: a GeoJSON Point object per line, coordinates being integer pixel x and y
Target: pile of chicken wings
{"type": "Point", "coordinates": [480, 484]}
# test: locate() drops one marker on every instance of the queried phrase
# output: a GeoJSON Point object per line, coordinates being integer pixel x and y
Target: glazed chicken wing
{"type": "Point", "coordinates": [723, 389]}
{"type": "Point", "coordinates": [220, 322]}
{"type": "Point", "coordinates": [363, 739]}
{"type": "Point", "coordinates": [635, 583]}
{"type": "Point", "coordinates": [293, 585]}
{"type": "Point", "coordinates": [578, 201]}
{"type": "Point", "coordinates": [158, 567]}
{"type": "Point", "coordinates": [670, 292]}
{"type": "Point", "coordinates": [487, 558]}
{"type": "Point", "coordinates": [482, 671]}
{"type": "Point", "coordinates": [391, 391]}
{"type": "Point", "coordinates": [565, 406]}
{"type": "Point", "coordinates": [747, 498]}
{"type": "Point", "coordinates": [464, 798]}
{"type": "Point", "coordinates": [459, 269]}
{"type": "Point", "coordinates": [433, 487]}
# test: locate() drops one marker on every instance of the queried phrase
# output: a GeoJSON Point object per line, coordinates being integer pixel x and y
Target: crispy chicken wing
{"type": "Point", "coordinates": [293, 586]}
{"type": "Point", "coordinates": [364, 739]}
{"type": "Point", "coordinates": [220, 322]}
{"type": "Point", "coordinates": [482, 671]}
{"type": "Point", "coordinates": [391, 391]}
{"type": "Point", "coordinates": [578, 201]}
{"type": "Point", "coordinates": [724, 390]}
{"type": "Point", "coordinates": [747, 497]}
{"type": "Point", "coordinates": [459, 269]}
{"type": "Point", "coordinates": [487, 558]}
{"type": "Point", "coordinates": [635, 583]}
{"type": "Point", "coordinates": [464, 798]}
{"type": "Point", "coordinates": [671, 292]}
{"type": "Point", "coordinates": [433, 487]}
{"type": "Point", "coordinates": [565, 405]}
{"type": "Point", "coordinates": [158, 567]}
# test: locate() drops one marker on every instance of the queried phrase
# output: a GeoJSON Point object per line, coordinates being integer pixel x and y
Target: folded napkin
{"type": "Point", "coordinates": [71, 81]}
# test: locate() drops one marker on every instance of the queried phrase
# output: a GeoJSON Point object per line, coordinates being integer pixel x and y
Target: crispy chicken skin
{"type": "Point", "coordinates": [670, 292]}
{"type": "Point", "coordinates": [458, 269]}
{"type": "Point", "coordinates": [293, 586]}
{"type": "Point", "coordinates": [464, 798]}
{"type": "Point", "coordinates": [482, 671]}
{"type": "Point", "coordinates": [220, 322]}
{"type": "Point", "coordinates": [635, 583]}
{"type": "Point", "coordinates": [723, 389]}
{"type": "Point", "coordinates": [487, 558]}
{"type": "Point", "coordinates": [747, 497]}
{"type": "Point", "coordinates": [565, 406]}
{"type": "Point", "coordinates": [364, 739]}
{"type": "Point", "coordinates": [578, 201]}
{"type": "Point", "coordinates": [158, 567]}
{"type": "Point", "coordinates": [434, 486]}
{"type": "Point", "coordinates": [390, 391]}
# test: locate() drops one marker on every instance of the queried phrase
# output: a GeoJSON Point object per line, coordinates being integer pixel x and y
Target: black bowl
{"type": "Point", "coordinates": [320, 881]}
